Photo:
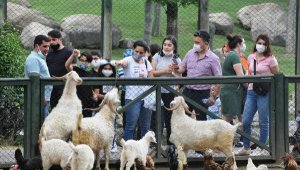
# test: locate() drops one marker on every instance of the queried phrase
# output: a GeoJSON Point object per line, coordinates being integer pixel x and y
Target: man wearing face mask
{"type": "Point", "coordinates": [56, 60]}
{"type": "Point", "coordinates": [85, 93]}
{"type": "Point", "coordinates": [35, 63]}
{"type": "Point", "coordinates": [198, 62]}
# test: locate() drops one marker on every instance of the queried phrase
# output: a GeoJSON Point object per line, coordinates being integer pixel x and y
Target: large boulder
{"type": "Point", "coordinates": [33, 29]}
{"type": "Point", "coordinates": [20, 17]}
{"type": "Point", "coordinates": [24, 3]}
{"type": "Point", "coordinates": [223, 23]}
{"type": "Point", "coordinates": [267, 18]}
{"type": "Point", "coordinates": [84, 31]}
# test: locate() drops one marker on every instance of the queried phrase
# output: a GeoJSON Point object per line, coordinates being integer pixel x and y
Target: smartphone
{"type": "Point", "coordinates": [175, 61]}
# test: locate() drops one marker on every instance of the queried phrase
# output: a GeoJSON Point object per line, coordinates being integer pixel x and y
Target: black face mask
{"type": "Point", "coordinates": [55, 47]}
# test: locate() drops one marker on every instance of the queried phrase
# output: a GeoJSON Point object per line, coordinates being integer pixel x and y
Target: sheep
{"type": "Point", "coordinates": [182, 160]}
{"type": "Point", "coordinates": [82, 157]}
{"type": "Point", "coordinates": [62, 119]}
{"type": "Point", "coordinates": [135, 149]}
{"type": "Point", "coordinates": [98, 131]}
{"type": "Point", "coordinates": [199, 135]}
{"type": "Point", "coordinates": [55, 152]}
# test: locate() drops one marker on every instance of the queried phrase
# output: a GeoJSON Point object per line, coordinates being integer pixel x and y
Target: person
{"type": "Point", "coordinates": [198, 62]}
{"type": "Point", "coordinates": [266, 64]}
{"type": "Point", "coordinates": [35, 63]}
{"type": "Point", "coordinates": [162, 64]}
{"type": "Point", "coordinates": [97, 57]}
{"type": "Point", "coordinates": [214, 101]}
{"type": "Point", "coordinates": [56, 59]}
{"type": "Point", "coordinates": [84, 93]}
{"type": "Point", "coordinates": [136, 66]}
{"type": "Point", "coordinates": [232, 94]}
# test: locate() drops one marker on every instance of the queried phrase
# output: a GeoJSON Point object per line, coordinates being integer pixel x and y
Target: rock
{"type": "Point", "coordinates": [24, 3]}
{"type": "Point", "coordinates": [223, 23]}
{"type": "Point", "coordinates": [126, 43]}
{"type": "Point", "coordinates": [20, 17]}
{"type": "Point", "coordinates": [267, 18]}
{"type": "Point", "coordinates": [84, 31]}
{"type": "Point", "coordinates": [32, 30]}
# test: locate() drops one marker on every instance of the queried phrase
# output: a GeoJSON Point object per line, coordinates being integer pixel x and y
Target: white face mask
{"type": "Point", "coordinates": [168, 53]}
{"type": "Point", "coordinates": [107, 73]}
{"type": "Point", "coordinates": [197, 47]}
{"type": "Point", "coordinates": [96, 63]}
{"type": "Point", "coordinates": [243, 47]}
{"type": "Point", "coordinates": [260, 48]}
{"type": "Point", "coordinates": [40, 53]}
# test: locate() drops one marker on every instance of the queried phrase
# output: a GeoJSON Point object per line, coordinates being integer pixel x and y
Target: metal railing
{"type": "Point", "coordinates": [278, 136]}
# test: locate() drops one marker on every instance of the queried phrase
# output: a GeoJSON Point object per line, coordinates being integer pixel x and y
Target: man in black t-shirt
{"type": "Point", "coordinates": [56, 59]}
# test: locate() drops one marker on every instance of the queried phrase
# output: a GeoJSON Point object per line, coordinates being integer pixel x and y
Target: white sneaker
{"type": "Point", "coordinates": [259, 152]}
{"type": "Point", "coordinates": [243, 152]}
{"type": "Point", "coordinates": [114, 148]}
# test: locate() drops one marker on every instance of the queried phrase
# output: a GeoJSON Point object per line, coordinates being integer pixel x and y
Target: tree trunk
{"type": "Point", "coordinates": [203, 15]}
{"type": "Point", "coordinates": [157, 19]}
{"type": "Point", "coordinates": [291, 28]}
{"type": "Point", "coordinates": [148, 21]}
{"type": "Point", "coordinates": [172, 18]}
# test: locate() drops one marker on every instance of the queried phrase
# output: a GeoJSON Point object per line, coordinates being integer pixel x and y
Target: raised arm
{"type": "Point", "coordinates": [68, 63]}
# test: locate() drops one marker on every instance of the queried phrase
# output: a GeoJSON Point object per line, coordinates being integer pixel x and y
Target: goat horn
{"type": "Point", "coordinates": [187, 110]}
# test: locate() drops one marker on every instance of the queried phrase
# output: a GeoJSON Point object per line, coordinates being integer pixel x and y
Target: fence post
{"type": "Point", "coordinates": [280, 117]}
{"type": "Point", "coordinates": [35, 110]}
{"type": "Point", "coordinates": [106, 29]}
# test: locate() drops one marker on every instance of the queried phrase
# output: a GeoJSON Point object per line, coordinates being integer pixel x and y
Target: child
{"type": "Point", "coordinates": [214, 101]}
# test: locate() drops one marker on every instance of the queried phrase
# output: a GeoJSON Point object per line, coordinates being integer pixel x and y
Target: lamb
{"type": "Point", "coordinates": [182, 160]}
{"type": "Point", "coordinates": [98, 131]}
{"type": "Point", "coordinates": [251, 166]}
{"type": "Point", "coordinates": [199, 135]}
{"type": "Point", "coordinates": [55, 152]}
{"type": "Point", "coordinates": [135, 149]}
{"type": "Point", "coordinates": [82, 157]}
{"type": "Point", "coordinates": [62, 119]}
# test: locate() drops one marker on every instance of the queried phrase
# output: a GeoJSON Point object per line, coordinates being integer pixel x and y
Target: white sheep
{"type": "Point", "coordinates": [55, 152]}
{"type": "Point", "coordinates": [133, 149]}
{"type": "Point", "coordinates": [199, 135]}
{"type": "Point", "coordinates": [62, 119]}
{"type": "Point", "coordinates": [82, 158]}
{"type": "Point", "coordinates": [98, 131]}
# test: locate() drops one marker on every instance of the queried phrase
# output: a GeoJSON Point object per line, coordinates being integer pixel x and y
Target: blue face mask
{"type": "Point", "coordinates": [138, 57]}
{"type": "Point", "coordinates": [83, 66]}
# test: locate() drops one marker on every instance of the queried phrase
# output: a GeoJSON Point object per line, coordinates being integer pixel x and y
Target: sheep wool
{"type": "Point", "coordinates": [62, 119]}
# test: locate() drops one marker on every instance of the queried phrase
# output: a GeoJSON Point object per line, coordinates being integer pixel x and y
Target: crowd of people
{"type": "Point", "coordinates": [227, 101]}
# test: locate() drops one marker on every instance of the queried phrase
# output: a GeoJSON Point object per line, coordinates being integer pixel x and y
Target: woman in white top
{"type": "Point", "coordinates": [136, 66]}
{"type": "Point", "coordinates": [162, 64]}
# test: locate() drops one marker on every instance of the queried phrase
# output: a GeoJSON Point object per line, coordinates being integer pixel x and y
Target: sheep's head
{"type": "Point", "coordinates": [112, 99]}
{"type": "Point", "coordinates": [179, 101]}
{"type": "Point", "coordinates": [71, 75]}
{"type": "Point", "coordinates": [150, 136]}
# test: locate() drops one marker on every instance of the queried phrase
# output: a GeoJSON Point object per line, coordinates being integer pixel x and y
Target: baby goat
{"type": "Point", "coordinates": [82, 157]}
{"type": "Point", "coordinates": [135, 149]}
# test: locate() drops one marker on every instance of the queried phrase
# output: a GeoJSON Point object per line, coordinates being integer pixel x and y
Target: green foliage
{"type": "Point", "coordinates": [11, 52]}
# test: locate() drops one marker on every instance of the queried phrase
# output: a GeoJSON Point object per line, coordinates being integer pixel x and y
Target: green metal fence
{"type": "Point", "coordinates": [279, 114]}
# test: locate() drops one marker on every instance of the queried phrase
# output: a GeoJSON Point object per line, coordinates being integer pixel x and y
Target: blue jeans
{"type": "Point", "coordinates": [255, 103]}
{"type": "Point", "coordinates": [137, 113]}
{"type": "Point", "coordinates": [45, 110]}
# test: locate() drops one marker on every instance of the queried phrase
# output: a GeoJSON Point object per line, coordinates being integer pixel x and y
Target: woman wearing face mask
{"type": "Point", "coordinates": [266, 64]}
{"type": "Point", "coordinates": [232, 94]}
{"type": "Point", "coordinates": [162, 64]}
{"type": "Point", "coordinates": [85, 93]}
{"type": "Point", "coordinates": [136, 66]}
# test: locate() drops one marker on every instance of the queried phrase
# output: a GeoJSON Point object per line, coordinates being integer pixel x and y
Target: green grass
{"type": "Point", "coordinates": [128, 15]}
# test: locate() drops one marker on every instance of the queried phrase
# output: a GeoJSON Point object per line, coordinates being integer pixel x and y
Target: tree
{"type": "Point", "coordinates": [156, 26]}
{"type": "Point", "coordinates": [148, 21]}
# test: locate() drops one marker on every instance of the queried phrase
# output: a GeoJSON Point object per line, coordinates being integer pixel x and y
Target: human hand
{"type": "Point", "coordinates": [76, 52]}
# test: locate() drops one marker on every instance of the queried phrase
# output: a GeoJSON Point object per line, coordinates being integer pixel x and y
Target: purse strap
{"type": "Point", "coordinates": [254, 65]}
